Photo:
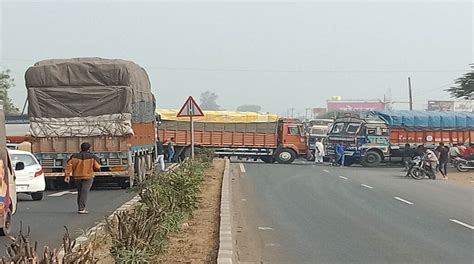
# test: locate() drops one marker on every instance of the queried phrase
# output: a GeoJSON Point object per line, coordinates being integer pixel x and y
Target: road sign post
{"type": "Point", "coordinates": [190, 109]}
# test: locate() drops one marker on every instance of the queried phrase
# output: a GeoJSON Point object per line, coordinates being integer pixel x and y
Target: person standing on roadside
{"type": "Point", "coordinates": [320, 152]}
{"type": "Point", "coordinates": [407, 156]}
{"type": "Point", "coordinates": [340, 153]}
{"type": "Point", "coordinates": [82, 167]}
{"type": "Point", "coordinates": [171, 151]}
{"type": "Point", "coordinates": [160, 154]}
{"type": "Point", "coordinates": [443, 157]}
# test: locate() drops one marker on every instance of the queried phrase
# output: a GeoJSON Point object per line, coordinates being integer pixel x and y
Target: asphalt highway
{"type": "Point", "coordinates": [306, 213]}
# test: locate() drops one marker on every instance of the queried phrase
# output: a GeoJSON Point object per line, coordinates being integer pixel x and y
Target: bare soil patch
{"type": "Point", "coordinates": [198, 240]}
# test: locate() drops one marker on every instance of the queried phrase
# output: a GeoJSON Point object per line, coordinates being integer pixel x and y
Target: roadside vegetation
{"type": "Point", "coordinates": [168, 199]}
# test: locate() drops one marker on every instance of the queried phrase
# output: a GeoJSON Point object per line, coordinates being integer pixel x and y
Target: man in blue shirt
{"type": "Point", "coordinates": [340, 153]}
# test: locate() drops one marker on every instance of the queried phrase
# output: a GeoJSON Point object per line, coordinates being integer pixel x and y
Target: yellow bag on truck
{"type": "Point", "coordinates": [220, 116]}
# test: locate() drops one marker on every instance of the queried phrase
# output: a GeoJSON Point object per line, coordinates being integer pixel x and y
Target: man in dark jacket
{"type": "Point", "coordinates": [82, 166]}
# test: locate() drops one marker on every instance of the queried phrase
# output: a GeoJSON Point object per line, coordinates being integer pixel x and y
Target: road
{"type": "Point", "coordinates": [322, 214]}
{"type": "Point", "coordinates": [48, 217]}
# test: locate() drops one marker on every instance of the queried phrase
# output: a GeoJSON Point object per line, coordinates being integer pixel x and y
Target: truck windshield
{"type": "Point", "coordinates": [345, 128]}
{"type": "Point", "coordinates": [337, 128]}
{"type": "Point", "coordinates": [352, 128]}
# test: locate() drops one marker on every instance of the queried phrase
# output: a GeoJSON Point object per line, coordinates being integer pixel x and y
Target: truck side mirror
{"type": "Point", "coordinates": [19, 166]}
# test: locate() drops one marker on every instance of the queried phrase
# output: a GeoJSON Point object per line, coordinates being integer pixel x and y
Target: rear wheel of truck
{"type": "Point", "coordinates": [268, 159]}
{"type": "Point", "coordinates": [371, 159]}
{"type": "Point", "coordinates": [7, 222]}
{"type": "Point", "coordinates": [285, 156]}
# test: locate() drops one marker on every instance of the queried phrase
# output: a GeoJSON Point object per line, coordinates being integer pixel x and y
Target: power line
{"type": "Point", "coordinates": [274, 70]}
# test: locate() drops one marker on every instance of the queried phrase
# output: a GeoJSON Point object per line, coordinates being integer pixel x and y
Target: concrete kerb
{"type": "Point", "coordinates": [226, 244]}
{"type": "Point", "coordinates": [81, 240]}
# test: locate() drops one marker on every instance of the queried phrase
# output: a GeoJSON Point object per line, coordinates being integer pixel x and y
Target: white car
{"type": "Point", "coordinates": [31, 179]}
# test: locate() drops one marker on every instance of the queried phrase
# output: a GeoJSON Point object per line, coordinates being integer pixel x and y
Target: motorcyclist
{"type": "Point", "coordinates": [432, 159]}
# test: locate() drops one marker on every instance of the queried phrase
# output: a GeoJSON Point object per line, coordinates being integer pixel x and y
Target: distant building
{"type": "Point", "coordinates": [447, 106]}
{"type": "Point", "coordinates": [354, 105]}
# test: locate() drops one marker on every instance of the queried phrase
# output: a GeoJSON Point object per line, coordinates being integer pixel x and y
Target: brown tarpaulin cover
{"type": "Point", "coordinates": [63, 89]}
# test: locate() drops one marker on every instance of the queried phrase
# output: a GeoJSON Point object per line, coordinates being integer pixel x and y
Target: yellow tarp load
{"type": "Point", "coordinates": [220, 116]}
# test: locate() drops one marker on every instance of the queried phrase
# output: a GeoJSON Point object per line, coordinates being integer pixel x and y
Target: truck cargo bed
{"type": "Point", "coordinates": [251, 135]}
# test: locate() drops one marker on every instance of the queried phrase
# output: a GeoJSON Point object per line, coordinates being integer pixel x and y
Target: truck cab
{"type": "Point", "coordinates": [291, 141]}
{"type": "Point", "coordinates": [365, 140]}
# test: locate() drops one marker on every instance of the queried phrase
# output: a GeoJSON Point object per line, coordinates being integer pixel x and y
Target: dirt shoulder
{"type": "Point", "coordinates": [463, 178]}
{"type": "Point", "coordinates": [198, 240]}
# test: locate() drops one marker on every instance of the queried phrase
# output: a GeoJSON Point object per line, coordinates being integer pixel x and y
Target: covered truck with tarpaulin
{"type": "Point", "coordinates": [383, 134]}
{"type": "Point", "coordinates": [106, 102]}
{"type": "Point", "coordinates": [242, 134]}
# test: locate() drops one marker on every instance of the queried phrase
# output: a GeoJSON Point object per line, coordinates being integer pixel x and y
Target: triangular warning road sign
{"type": "Point", "coordinates": [190, 108]}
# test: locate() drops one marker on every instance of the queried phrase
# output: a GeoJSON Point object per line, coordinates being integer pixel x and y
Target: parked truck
{"type": "Point", "coordinates": [106, 102]}
{"type": "Point", "coordinates": [244, 135]}
{"type": "Point", "coordinates": [383, 134]}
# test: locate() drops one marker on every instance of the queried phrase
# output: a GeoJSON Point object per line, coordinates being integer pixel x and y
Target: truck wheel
{"type": "Point", "coordinates": [268, 159]}
{"type": "Point", "coordinates": [37, 196]}
{"type": "Point", "coordinates": [371, 159]}
{"type": "Point", "coordinates": [7, 222]}
{"type": "Point", "coordinates": [285, 156]}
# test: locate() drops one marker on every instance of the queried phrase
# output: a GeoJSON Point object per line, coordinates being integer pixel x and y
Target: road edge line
{"type": "Point", "coordinates": [225, 254]}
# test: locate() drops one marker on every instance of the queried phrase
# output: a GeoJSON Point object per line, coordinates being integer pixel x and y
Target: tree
{"type": "Point", "coordinates": [249, 108]}
{"type": "Point", "coordinates": [7, 82]}
{"type": "Point", "coordinates": [209, 101]}
{"type": "Point", "coordinates": [465, 86]}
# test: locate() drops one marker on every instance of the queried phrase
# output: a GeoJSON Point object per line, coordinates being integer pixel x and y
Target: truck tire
{"type": "Point", "coordinates": [7, 222]}
{"type": "Point", "coordinates": [268, 159]}
{"type": "Point", "coordinates": [285, 156]}
{"type": "Point", "coordinates": [371, 159]}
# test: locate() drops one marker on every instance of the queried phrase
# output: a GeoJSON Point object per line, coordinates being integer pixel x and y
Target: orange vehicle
{"type": "Point", "coordinates": [106, 102]}
{"type": "Point", "coordinates": [281, 140]}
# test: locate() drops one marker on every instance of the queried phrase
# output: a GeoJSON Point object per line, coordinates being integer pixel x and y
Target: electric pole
{"type": "Point", "coordinates": [410, 94]}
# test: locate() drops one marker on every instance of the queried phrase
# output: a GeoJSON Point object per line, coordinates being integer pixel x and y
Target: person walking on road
{"type": "Point", "coordinates": [82, 167]}
{"type": "Point", "coordinates": [340, 153]}
{"type": "Point", "coordinates": [407, 156]}
{"type": "Point", "coordinates": [443, 158]}
{"type": "Point", "coordinates": [319, 152]}
{"type": "Point", "coordinates": [160, 154]}
{"type": "Point", "coordinates": [171, 151]}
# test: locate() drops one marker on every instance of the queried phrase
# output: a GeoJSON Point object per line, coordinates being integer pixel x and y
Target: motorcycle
{"type": "Point", "coordinates": [464, 165]}
{"type": "Point", "coordinates": [415, 162]}
{"type": "Point", "coordinates": [422, 169]}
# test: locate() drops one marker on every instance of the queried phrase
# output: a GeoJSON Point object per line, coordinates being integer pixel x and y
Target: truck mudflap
{"type": "Point", "coordinates": [97, 174]}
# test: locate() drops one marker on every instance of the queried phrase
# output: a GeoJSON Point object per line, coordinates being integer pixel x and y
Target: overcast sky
{"type": "Point", "coordinates": [277, 55]}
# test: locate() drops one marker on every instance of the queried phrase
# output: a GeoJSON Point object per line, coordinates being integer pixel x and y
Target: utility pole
{"type": "Point", "coordinates": [410, 94]}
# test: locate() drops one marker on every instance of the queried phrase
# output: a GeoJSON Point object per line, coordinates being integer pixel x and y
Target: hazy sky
{"type": "Point", "coordinates": [275, 54]}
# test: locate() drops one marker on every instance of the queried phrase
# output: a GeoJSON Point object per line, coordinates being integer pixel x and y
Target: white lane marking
{"type": "Point", "coordinates": [342, 177]}
{"type": "Point", "coordinates": [264, 228]}
{"type": "Point", "coordinates": [403, 200]}
{"type": "Point", "coordinates": [461, 223]}
{"type": "Point", "coordinates": [61, 193]}
{"type": "Point", "coordinates": [326, 171]}
{"type": "Point", "coordinates": [243, 200]}
{"type": "Point", "coordinates": [242, 168]}
{"type": "Point", "coordinates": [366, 186]}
